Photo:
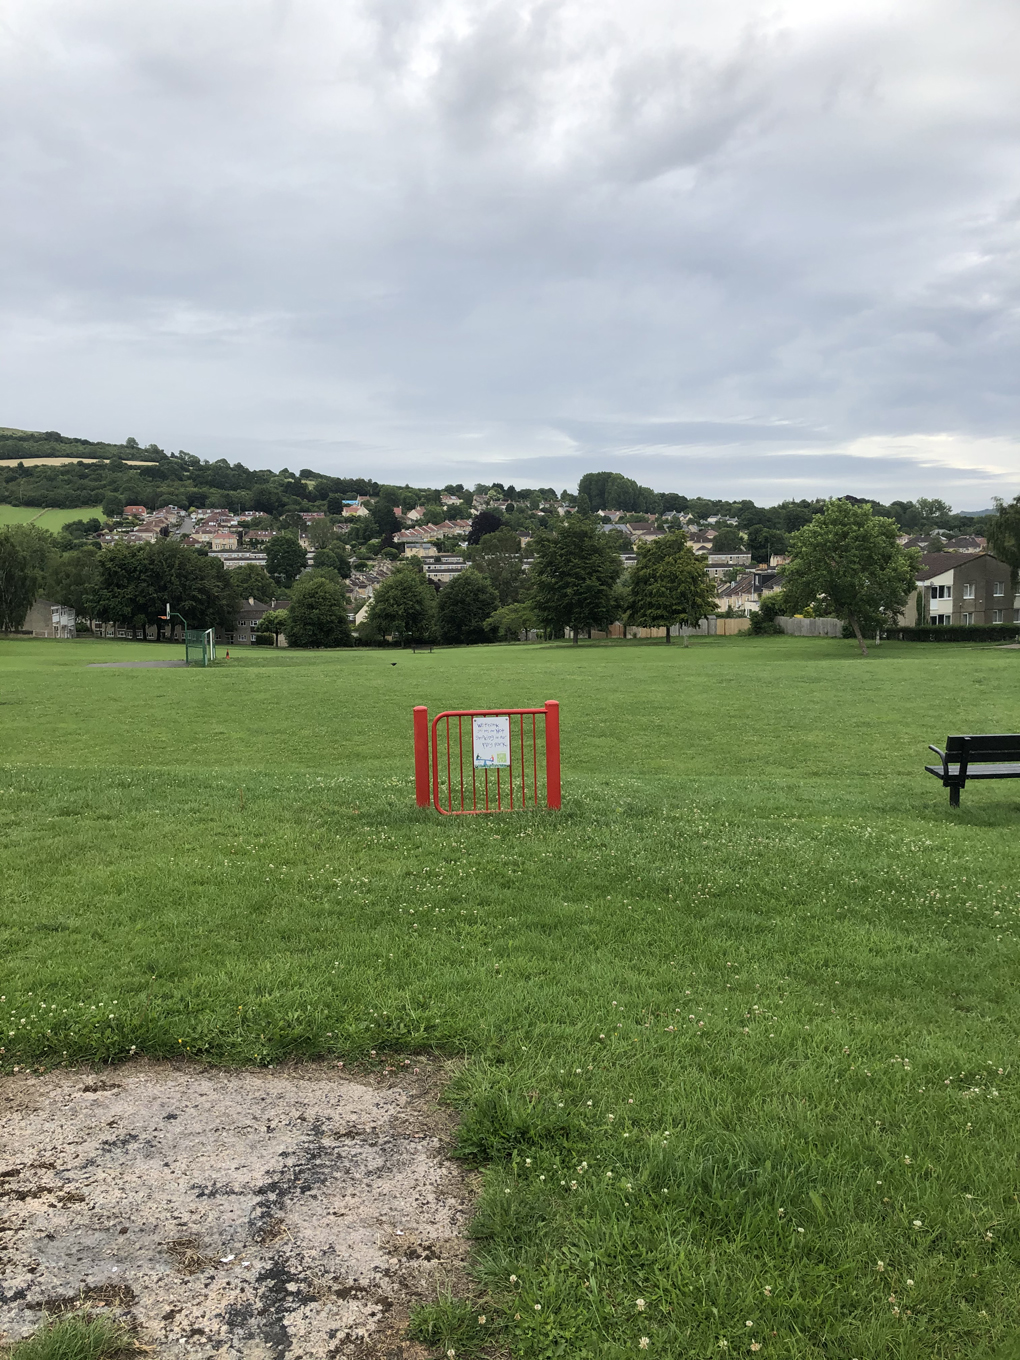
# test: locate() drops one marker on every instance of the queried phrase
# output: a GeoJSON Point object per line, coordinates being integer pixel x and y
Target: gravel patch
{"type": "Point", "coordinates": [299, 1212]}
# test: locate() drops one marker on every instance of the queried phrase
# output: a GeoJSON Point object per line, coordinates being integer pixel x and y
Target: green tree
{"type": "Point", "coordinates": [134, 582]}
{"type": "Point", "coordinates": [727, 540]}
{"type": "Point", "coordinates": [18, 583]}
{"type": "Point", "coordinates": [254, 582]}
{"type": "Point", "coordinates": [321, 533]}
{"type": "Point", "coordinates": [465, 605]}
{"type": "Point", "coordinates": [113, 506]}
{"type": "Point", "coordinates": [573, 577]}
{"type": "Point", "coordinates": [404, 605]}
{"type": "Point", "coordinates": [273, 621]}
{"type": "Point", "coordinates": [670, 585]}
{"type": "Point", "coordinates": [511, 620]}
{"type": "Point", "coordinates": [848, 559]}
{"type": "Point", "coordinates": [498, 556]}
{"type": "Point", "coordinates": [613, 491]}
{"type": "Point", "coordinates": [383, 512]}
{"type": "Point", "coordinates": [1004, 537]}
{"type": "Point", "coordinates": [317, 616]}
{"type": "Point", "coordinates": [71, 576]}
{"type": "Point", "coordinates": [764, 543]}
{"type": "Point", "coordinates": [335, 557]}
{"type": "Point", "coordinates": [285, 559]}
{"type": "Point", "coordinates": [485, 522]}
{"type": "Point", "coordinates": [932, 511]}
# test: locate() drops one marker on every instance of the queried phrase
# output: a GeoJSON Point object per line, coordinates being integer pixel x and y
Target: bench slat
{"type": "Point", "coordinates": [1002, 747]}
{"type": "Point", "coordinates": [980, 772]}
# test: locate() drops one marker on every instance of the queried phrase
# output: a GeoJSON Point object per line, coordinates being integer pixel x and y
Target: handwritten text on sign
{"type": "Point", "coordinates": [491, 738]}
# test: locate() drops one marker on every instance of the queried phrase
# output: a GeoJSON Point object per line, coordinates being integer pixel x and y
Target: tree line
{"type": "Point", "coordinates": [130, 584]}
{"type": "Point", "coordinates": [846, 562]}
{"type": "Point", "coordinates": [573, 585]}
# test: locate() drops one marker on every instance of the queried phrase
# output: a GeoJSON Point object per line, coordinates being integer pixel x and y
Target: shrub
{"type": "Point", "coordinates": [978, 632]}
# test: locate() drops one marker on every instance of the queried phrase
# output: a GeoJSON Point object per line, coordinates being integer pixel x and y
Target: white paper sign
{"type": "Point", "coordinates": [491, 738]}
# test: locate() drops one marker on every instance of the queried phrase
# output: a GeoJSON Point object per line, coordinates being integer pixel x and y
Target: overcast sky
{"type": "Point", "coordinates": [727, 248]}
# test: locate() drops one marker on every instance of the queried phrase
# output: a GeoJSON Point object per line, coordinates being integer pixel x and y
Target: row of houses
{"type": "Point", "coordinates": [953, 589]}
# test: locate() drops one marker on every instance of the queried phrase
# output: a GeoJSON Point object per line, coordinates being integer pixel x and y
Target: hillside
{"type": "Point", "coordinates": [47, 469]}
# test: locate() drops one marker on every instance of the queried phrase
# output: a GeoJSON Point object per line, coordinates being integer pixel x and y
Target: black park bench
{"type": "Point", "coordinates": [966, 758]}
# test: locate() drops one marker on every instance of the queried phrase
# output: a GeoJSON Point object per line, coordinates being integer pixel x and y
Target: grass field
{"type": "Point", "coordinates": [740, 1023]}
{"type": "Point", "coordinates": [47, 519]}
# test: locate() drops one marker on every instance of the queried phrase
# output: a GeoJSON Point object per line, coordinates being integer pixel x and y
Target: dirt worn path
{"type": "Point", "coordinates": [298, 1212]}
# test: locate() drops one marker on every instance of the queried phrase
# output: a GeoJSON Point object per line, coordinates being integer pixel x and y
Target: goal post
{"type": "Point", "coordinates": [200, 646]}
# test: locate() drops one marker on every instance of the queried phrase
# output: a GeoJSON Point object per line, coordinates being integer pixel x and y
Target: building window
{"type": "Point", "coordinates": [968, 590]}
{"type": "Point", "coordinates": [942, 620]}
{"type": "Point", "coordinates": [999, 588]}
{"type": "Point", "coordinates": [968, 619]}
{"type": "Point", "coordinates": [996, 615]}
{"type": "Point", "coordinates": [942, 592]}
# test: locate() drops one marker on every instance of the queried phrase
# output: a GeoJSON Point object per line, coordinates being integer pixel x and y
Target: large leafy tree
{"type": "Point", "coordinates": [670, 585]}
{"type": "Point", "coordinates": [727, 540]}
{"type": "Point", "coordinates": [273, 621]}
{"type": "Point", "coordinates": [762, 543]}
{"type": "Point", "coordinates": [383, 512]}
{"type": "Point", "coordinates": [1004, 537]}
{"type": "Point", "coordinates": [613, 491]}
{"type": "Point", "coordinates": [254, 582]}
{"type": "Point", "coordinates": [321, 533]}
{"type": "Point", "coordinates": [510, 621]}
{"type": "Point", "coordinates": [498, 556]}
{"type": "Point", "coordinates": [404, 605]}
{"type": "Point", "coordinates": [71, 576]}
{"type": "Point", "coordinates": [336, 557]}
{"type": "Point", "coordinates": [135, 582]}
{"type": "Point", "coordinates": [317, 616]}
{"type": "Point", "coordinates": [465, 606]}
{"type": "Point", "coordinates": [573, 577]}
{"type": "Point", "coordinates": [485, 522]}
{"type": "Point", "coordinates": [848, 560]}
{"type": "Point", "coordinates": [17, 583]}
{"type": "Point", "coordinates": [285, 559]}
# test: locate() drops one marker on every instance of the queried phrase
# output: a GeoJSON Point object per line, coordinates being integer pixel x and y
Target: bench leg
{"type": "Point", "coordinates": [954, 795]}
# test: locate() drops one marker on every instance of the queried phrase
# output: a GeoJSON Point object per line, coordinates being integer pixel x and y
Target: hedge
{"type": "Point", "coordinates": [984, 632]}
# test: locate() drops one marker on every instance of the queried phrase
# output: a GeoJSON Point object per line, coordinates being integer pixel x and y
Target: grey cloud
{"type": "Point", "coordinates": [450, 236]}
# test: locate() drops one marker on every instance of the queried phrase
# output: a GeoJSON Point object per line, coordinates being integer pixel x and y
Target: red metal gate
{"type": "Point", "coordinates": [457, 785]}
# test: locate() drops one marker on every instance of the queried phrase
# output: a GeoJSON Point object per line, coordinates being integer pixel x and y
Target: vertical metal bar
{"type": "Point", "coordinates": [552, 753]}
{"type": "Point", "coordinates": [486, 789]}
{"type": "Point", "coordinates": [421, 756]}
{"type": "Point", "coordinates": [435, 766]}
{"type": "Point", "coordinates": [460, 740]}
{"type": "Point", "coordinates": [534, 752]}
{"type": "Point", "coordinates": [499, 796]}
{"type": "Point", "coordinates": [474, 773]}
{"type": "Point", "coordinates": [449, 776]}
{"type": "Point", "coordinates": [524, 788]}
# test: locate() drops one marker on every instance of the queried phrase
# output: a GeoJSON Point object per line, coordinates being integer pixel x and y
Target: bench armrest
{"type": "Point", "coordinates": [942, 756]}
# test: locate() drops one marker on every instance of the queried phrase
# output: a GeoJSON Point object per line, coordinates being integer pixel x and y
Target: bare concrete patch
{"type": "Point", "coordinates": [256, 1214]}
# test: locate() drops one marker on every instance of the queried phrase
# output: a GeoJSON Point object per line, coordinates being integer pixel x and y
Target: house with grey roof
{"type": "Point", "coordinates": [962, 589]}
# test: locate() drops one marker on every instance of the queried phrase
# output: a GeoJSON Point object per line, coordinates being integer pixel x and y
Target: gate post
{"type": "Point", "coordinates": [552, 753]}
{"type": "Point", "coordinates": [421, 756]}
